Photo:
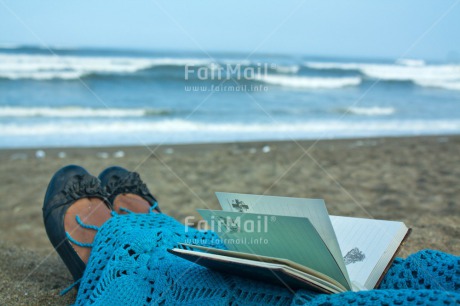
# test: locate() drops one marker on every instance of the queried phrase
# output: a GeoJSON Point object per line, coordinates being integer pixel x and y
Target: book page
{"type": "Point", "coordinates": [264, 259]}
{"type": "Point", "coordinates": [313, 209]}
{"type": "Point", "coordinates": [277, 273]}
{"type": "Point", "coordinates": [293, 238]}
{"type": "Point", "coordinates": [367, 247]}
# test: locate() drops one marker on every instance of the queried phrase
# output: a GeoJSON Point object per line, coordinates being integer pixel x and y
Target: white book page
{"type": "Point", "coordinates": [313, 209]}
{"type": "Point", "coordinates": [367, 247]}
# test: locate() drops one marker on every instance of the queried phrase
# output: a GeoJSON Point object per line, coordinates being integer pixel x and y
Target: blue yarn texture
{"type": "Point", "coordinates": [130, 265]}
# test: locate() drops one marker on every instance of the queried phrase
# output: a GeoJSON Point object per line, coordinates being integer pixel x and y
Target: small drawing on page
{"type": "Point", "coordinates": [239, 205]}
{"type": "Point", "coordinates": [354, 255]}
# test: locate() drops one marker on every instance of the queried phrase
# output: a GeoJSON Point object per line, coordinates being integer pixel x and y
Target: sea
{"type": "Point", "coordinates": [64, 97]}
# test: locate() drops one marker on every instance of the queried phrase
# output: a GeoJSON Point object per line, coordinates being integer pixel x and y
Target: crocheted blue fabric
{"type": "Point", "coordinates": [130, 265]}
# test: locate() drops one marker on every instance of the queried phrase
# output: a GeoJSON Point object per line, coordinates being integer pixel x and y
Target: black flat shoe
{"type": "Point", "coordinates": [68, 185]}
{"type": "Point", "coordinates": [118, 180]}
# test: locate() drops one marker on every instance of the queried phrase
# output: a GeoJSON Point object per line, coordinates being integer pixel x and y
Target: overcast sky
{"type": "Point", "coordinates": [386, 28]}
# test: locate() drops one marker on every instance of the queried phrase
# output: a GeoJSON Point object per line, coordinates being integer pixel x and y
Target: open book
{"type": "Point", "coordinates": [294, 242]}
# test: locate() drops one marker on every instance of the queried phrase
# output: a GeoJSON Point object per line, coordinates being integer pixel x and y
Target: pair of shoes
{"type": "Point", "coordinates": [118, 181]}
{"type": "Point", "coordinates": [72, 183]}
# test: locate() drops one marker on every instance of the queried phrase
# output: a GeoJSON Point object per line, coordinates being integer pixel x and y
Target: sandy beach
{"type": "Point", "coordinates": [414, 179]}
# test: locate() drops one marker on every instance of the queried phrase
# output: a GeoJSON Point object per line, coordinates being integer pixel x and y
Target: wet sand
{"type": "Point", "coordinates": [415, 180]}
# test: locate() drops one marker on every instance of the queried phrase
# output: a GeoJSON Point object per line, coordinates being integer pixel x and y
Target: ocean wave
{"type": "Point", "coordinates": [333, 65]}
{"type": "Point", "coordinates": [451, 85]}
{"type": "Point", "coordinates": [410, 62]}
{"type": "Point", "coordinates": [77, 112]}
{"type": "Point", "coordinates": [41, 75]}
{"type": "Point", "coordinates": [292, 69]}
{"type": "Point", "coordinates": [410, 71]}
{"type": "Point", "coordinates": [133, 132]}
{"type": "Point", "coordinates": [369, 111]}
{"type": "Point", "coordinates": [69, 67]}
{"type": "Point", "coordinates": [11, 46]}
{"type": "Point", "coordinates": [47, 67]}
{"type": "Point", "coordinates": [308, 82]}
{"type": "Point", "coordinates": [242, 62]}
{"type": "Point", "coordinates": [171, 126]}
{"type": "Point", "coordinates": [339, 74]}
{"type": "Point", "coordinates": [407, 73]}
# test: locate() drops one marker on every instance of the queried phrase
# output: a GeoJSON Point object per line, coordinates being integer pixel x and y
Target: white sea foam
{"type": "Point", "coordinates": [371, 111]}
{"type": "Point", "coordinates": [421, 74]}
{"type": "Point", "coordinates": [333, 65]}
{"type": "Point", "coordinates": [171, 126]}
{"type": "Point", "coordinates": [45, 67]}
{"type": "Point", "coordinates": [41, 75]}
{"type": "Point", "coordinates": [410, 62]}
{"type": "Point", "coordinates": [75, 112]}
{"type": "Point", "coordinates": [441, 73]}
{"type": "Point", "coordinates": [183, 131]}
{"type": "Point", "coordinates": [293, 69]}
{"type": "Point", "coordinates": [451, 85]}
{"type": "Point", "coordinates": [309, 82]}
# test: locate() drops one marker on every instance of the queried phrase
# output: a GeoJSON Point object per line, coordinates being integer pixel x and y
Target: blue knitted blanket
{"type": "Point", "coordinates": [130, 265]}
